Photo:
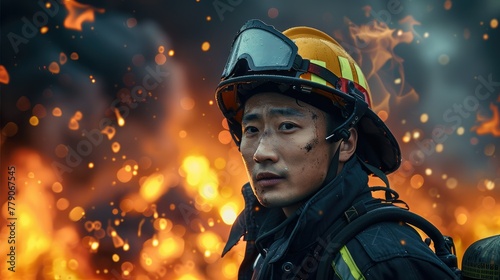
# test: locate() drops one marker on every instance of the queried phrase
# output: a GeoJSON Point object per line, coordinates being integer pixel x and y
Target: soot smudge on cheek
{"type": "Point", "coordinates": [309, 146]}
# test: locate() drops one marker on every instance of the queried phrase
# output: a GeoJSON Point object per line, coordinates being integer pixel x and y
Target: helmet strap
{"type": "Point", "coordinates": [333, 168]}
{"type": "Point", "coordinates": [342, 131]}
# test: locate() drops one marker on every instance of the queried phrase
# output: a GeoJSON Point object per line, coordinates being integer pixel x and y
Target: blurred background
{"type": "Point", "coordinates": [124, 168]}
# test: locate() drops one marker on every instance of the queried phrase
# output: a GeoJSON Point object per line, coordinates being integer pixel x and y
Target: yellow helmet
{"type": "Point", "coordinates": [323, 50]}
{"type": "Point", "coordinates": [309, 65]}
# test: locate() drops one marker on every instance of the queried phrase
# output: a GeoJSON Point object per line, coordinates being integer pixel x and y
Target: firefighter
{"type": "Point", "coordinates": [299, 109]}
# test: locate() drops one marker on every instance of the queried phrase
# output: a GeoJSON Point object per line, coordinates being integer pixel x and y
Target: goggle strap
{"type": "Point", "coordinates": [301, 65]}
{"type": "Point", "coordinates": [324, 73]}
{"type": "Point", "coordinates": [233, 128]}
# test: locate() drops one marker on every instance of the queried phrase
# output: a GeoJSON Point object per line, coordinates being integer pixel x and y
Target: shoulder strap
{"type": "Point", "coordinates": [443, 245]}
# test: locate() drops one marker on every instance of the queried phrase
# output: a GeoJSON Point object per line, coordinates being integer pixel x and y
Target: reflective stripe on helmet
{"type": "Point", "coordinates": [316, 78]}
{"type": "Point", "coordinates": [346, 69]}
{"type": "Point", "coordinates": [361, 77]}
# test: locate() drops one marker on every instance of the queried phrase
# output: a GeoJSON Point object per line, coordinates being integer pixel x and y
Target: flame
{"type": "Point", "coordinates": [38, 240]}
{"type": "Point", "coordinates": [180, 214]}
{"type": "Point", "coordinates": [374, 45]}
{"type": "Point", "coordinates": [489, 126]}
{"type": "Point", "coordinates": [78, 14]}
{"type": "Point", "coordinates": [4, 75]}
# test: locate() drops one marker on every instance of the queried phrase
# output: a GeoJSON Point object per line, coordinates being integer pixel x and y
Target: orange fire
{"type": "Point", "coordinates": [78, 14]}
{"type": "Point", "coordinates": [374, 44]}
{"type": "Point", "coordinates": [4, 75]}
{"type": "Point", "coordinates": [44, 249]}
{"type": "Point", "coordinates": [489, 126]}
{"type": "Point", "coordinates": [184, 238]}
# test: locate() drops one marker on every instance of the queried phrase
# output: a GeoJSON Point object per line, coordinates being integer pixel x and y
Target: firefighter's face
{"type": "Point", "coordinates": [284, 149]}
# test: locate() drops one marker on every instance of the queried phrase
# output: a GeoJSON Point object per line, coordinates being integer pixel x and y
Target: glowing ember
{"type": "Point", "coordinates": [494, 23]}
{"type": "Point", "coordinates": [78, 14]}
{"type": "Point", "coordinates": [73, 122]}
{"type": "Point", "coordinates": [109, 131]}
{"type": "Point", "coordinates": [74, 56]}
{"type": "Point", "coordinates": [123, 175]}
{"type": "Point", "coordinates": [117, 240]}
{"type": "Point", "coordinates": [115, 147]}
{"type": "Point", "coordinates": [34, 121]}
{"type": "Point", "coordinates": [63, 58]}
{"type": "Point", "coordinates": [76, 213]}
{"type": "Point", "coordinates": [489, 126]}
{"type": "Point", "coordinates": [205, 46]}
{"type": "Point", "coordinates": [153, 187]}
{"type": "Point", "coordinates": [54, 68]}
{"type": "Point", "coordinates": [120, 119]}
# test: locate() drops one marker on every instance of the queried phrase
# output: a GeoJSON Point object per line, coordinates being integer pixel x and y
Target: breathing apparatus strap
{"type": "Point", "coordinates": [386, 214]}
{"type": "Point", "coordinates": [390, 195]}
{"type": "Point", "coordinates": [363, 215]}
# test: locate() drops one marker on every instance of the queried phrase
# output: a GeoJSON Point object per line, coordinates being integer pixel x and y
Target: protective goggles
{"type": "Point", "coordinates": [266, 49]}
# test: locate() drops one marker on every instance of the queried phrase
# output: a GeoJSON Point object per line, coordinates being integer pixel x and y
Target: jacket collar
{"type": "Point", "coordinates": [329, 204]}
{"type": "Point", "coordinates": [312, 219]}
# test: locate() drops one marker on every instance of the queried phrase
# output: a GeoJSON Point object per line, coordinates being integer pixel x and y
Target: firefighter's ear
{"type": "Point", "coordinates": [348, 146]}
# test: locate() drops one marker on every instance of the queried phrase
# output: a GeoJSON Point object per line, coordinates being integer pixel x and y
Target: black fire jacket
{"type": "Point", "coordinates": [287, 248]}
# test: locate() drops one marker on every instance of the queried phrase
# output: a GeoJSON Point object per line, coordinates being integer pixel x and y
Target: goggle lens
{"type": "Point", "coordinates": [263, 47]}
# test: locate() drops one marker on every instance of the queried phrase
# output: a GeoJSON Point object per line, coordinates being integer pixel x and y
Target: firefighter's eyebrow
{"type": "Point", "coordinates": [286, 112]}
